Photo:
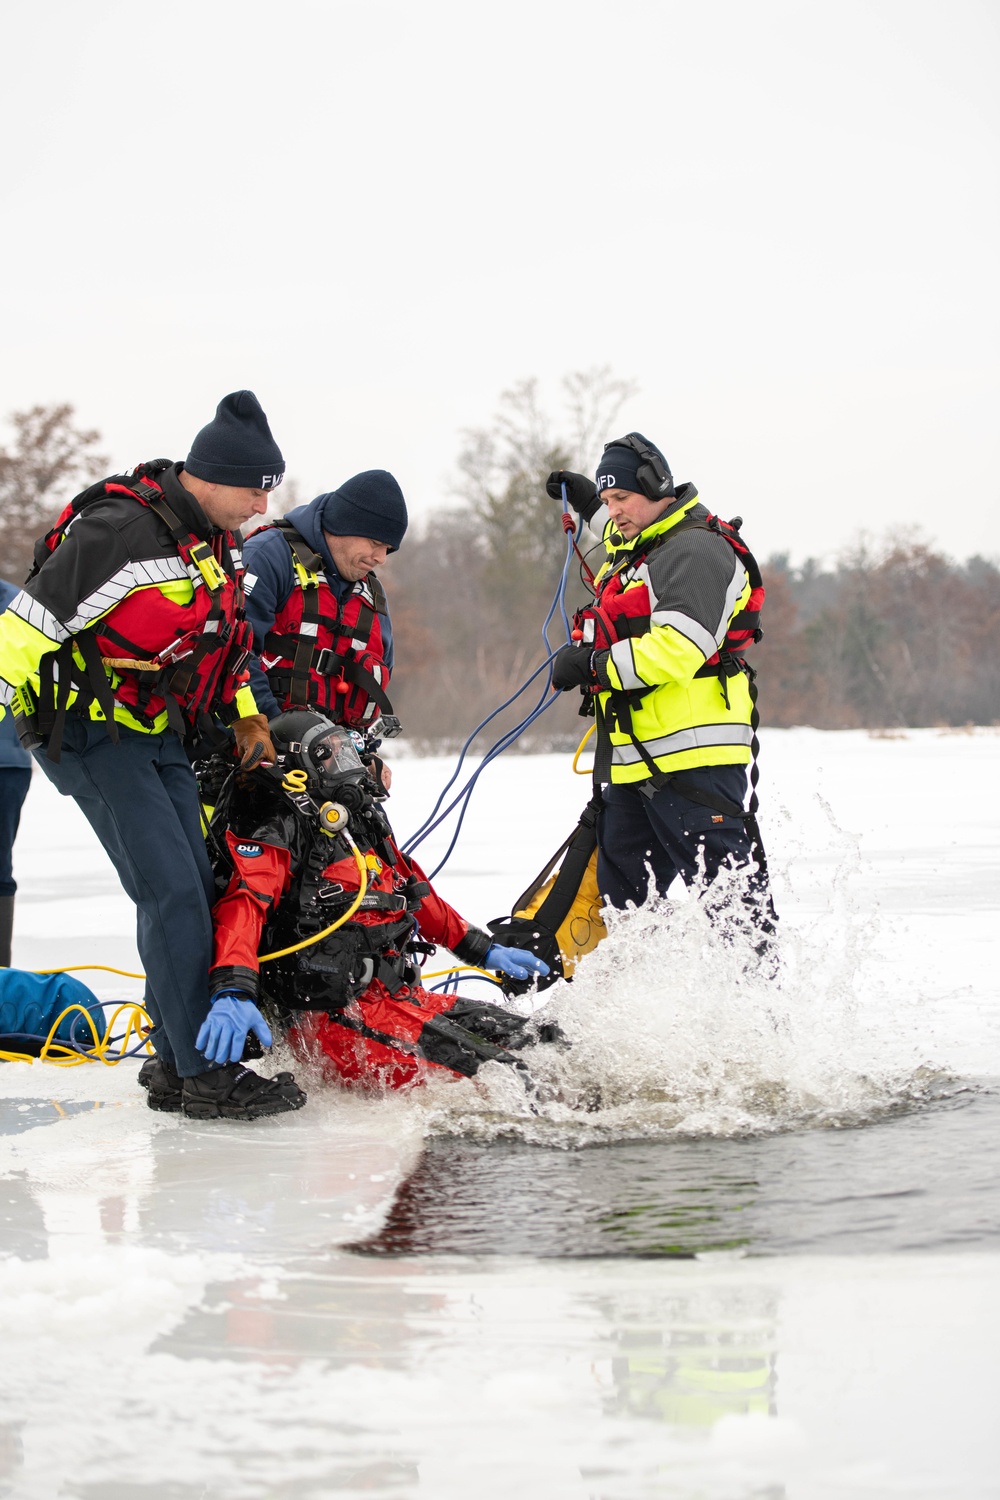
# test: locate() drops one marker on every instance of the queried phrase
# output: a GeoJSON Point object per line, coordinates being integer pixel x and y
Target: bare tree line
{"type": "Point", "coordinates": [891, 635]}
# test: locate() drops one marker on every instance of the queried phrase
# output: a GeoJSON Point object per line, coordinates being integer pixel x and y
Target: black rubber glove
{"type": "Point", "coordinates": [581, 492]}
{"type": "Point", "coordinates": [572, 668]}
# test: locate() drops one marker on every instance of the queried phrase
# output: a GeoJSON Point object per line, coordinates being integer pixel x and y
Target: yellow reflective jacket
{"type": "Point", "coordinates": [670, 595]}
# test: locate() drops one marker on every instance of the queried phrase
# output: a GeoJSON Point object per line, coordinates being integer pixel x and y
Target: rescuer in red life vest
{"type": "Point", "coordinates": [124, 645]}
{"type": "Point", "coordinates": [677, 602]}
{"type": "Point", "coordinates": [319, 613]}
{"type": "Point", "coordinates": [291, 841]}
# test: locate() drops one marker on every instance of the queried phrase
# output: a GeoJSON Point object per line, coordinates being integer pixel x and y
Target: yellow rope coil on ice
{"type": "Point", "coordinates": [62, 1056]}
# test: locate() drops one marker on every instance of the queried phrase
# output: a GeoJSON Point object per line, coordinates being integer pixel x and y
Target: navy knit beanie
{"type": "Point", "coordinates": [619, 469]}
{"type": "Point", "coordinates": [369, 505]}
{"type": "Point", "coordinates": [237, 448]}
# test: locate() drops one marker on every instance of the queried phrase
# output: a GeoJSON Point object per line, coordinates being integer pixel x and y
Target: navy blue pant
{"type": "Point", "coordinates": [14, 783]}
{"type": "Point", "coordinates": [667, 833]}
{"type": "Point", "coordinates": [141, 799]}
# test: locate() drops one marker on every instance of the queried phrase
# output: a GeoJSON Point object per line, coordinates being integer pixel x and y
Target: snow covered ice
{"type": "Point", "coordinates": [742, 1243]}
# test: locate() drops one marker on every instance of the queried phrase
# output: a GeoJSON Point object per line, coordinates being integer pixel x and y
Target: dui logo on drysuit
{"type": "Point", "coordinates": [248, 851]}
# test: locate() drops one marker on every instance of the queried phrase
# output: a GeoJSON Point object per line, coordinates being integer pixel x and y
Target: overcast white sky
{"type": "Point", "coordinates": [780, 219]}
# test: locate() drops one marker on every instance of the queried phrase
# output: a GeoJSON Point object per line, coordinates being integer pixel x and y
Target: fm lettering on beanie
{"type": "Point", "coordinates": [370, 505]}
{"type": "Point", "coordinates": [236, 448]}
{"type": "Point", "coordinates": [620, 465]}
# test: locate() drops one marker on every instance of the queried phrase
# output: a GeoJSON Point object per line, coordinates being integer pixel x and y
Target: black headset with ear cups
{"type": "Point", "coordinates": [653, 475]}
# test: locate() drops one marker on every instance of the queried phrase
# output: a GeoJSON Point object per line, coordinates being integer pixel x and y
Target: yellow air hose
{"type": "Point", "coordinates": [266, 958]}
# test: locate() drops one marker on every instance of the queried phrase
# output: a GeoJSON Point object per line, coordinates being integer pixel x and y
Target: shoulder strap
{"type": "Point", "coordinates": [306, 556]}
{"type": "Point", "coordinates": [582, 842]}
{"type": "Point", "coordinates": [309, 570]}
{"type": "Point", "coordinates": [380, 602]}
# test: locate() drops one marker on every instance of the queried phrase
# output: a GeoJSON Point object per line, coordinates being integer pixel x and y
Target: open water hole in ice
{"type": "Point", "coordinates": [738, 1243]}
{"type": "Point", "coordinates": [927, 1180]}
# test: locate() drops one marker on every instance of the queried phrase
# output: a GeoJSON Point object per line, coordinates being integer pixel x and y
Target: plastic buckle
{"type": "Point", "coordinates": [328, 662]}
{"type": "Point", "coordinates": [209, 567]}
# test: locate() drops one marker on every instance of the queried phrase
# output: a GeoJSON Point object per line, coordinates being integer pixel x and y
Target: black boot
{"type": "Point", "coordinates": [163, 1085]}
{"type": "Point", "coordinates": [6, 929]}
{"type": "Point", "coordinates": [236, 1093]}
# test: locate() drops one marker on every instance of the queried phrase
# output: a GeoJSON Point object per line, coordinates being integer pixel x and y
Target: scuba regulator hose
{"type": "Point", "coordinates": [266, 958]}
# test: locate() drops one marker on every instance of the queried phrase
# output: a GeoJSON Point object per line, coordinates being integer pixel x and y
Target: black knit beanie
{"type": "Point", "coordinates": [237, 448]}
{"type": "Point", "coordinates": [619, 469]}
{"type": "Point", "coordinates": [369, 505]}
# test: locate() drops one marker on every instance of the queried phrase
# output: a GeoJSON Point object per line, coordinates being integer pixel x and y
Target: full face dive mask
{"type": "Point", "coordinates": [326, 752]}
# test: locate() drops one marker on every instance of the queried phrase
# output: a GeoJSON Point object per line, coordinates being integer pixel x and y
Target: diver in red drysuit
{"type": "Point", "coordinates": [291, 838]}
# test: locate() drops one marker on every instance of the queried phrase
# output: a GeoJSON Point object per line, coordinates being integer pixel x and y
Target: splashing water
{"type": "Point", "coordinates": [678, 1029]}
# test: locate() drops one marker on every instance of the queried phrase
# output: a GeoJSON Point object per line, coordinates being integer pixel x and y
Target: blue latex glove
{"type": "Point", "coordinates": [223, 1032]}
{"type": "Point", "coordinates": [517, 962]}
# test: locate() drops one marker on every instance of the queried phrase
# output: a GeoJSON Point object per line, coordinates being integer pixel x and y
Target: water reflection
{"type": "Point", "coordinates": [922, 1181]}
{"type": "Point", "coordinates": [690, 1359]}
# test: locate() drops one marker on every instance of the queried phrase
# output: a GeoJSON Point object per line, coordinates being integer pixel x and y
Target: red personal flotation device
{"type": "Point", "coordinates": [324, 653]}
{"type": "Point", "coordinates": [196, 652]}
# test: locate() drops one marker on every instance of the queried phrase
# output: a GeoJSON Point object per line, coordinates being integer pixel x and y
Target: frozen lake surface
{"type": "Point", "coordinates": [742, 1243]}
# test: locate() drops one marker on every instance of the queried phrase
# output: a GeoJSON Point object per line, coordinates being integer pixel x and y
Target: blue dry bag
{"type": "Point", "coordinates": [29, 1003]}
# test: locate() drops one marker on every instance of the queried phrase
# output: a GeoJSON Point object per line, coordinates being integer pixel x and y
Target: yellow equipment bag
{"type": "Point", "coordinates": [559, 916]}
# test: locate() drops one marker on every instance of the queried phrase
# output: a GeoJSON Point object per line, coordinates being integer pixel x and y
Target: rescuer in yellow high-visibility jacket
{"type": "Point", "coordinates": [678, 596]}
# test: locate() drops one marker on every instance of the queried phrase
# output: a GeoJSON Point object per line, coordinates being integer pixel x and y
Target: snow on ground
{"type": "Point", "coordinates": [178, 1320]}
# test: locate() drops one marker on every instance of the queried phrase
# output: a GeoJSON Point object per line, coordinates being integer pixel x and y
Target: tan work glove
{"type": "Point", "coordinates": [254, 741]}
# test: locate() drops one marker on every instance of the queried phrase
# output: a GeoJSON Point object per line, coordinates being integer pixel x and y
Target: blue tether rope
{"type": "Point", "coordinates": [506, 740]}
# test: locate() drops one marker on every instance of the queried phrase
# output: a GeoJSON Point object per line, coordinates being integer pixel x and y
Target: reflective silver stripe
{"type": "Point", "coordinates": [358, 643]}
{"type": "Point", "coordinates": [133, 575]}
{"type": "Point", "coordinates": [736, 586]}
{"type": "Point", "coordinates": [641, 575]}
{"type": "Point", "coordinates": [621, 655]}
{"type": "Point", "coordinates": [309, 628]}
{"type": "Point", "coordinates": [689, 629]}
{"type": "Point", "coordinates": [701, 737]}
{"type": "Point", "coordinates": [159, 569]}
{"type": "Point", "coordinates": [36, 615]}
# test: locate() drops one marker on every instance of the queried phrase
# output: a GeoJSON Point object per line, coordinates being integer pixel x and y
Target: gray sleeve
{"type": "Point", "coordinates": [695, 581]}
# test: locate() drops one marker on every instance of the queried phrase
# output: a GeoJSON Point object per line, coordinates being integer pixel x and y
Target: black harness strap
{"type": "Point", "coordinates": [89, 684]}
{"type": "Point", "coordinates": [576, 856]}
{"type": "Point", "coordinates": [307, 641]}
{"type": "Point", "coordinates": [361, 677]}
